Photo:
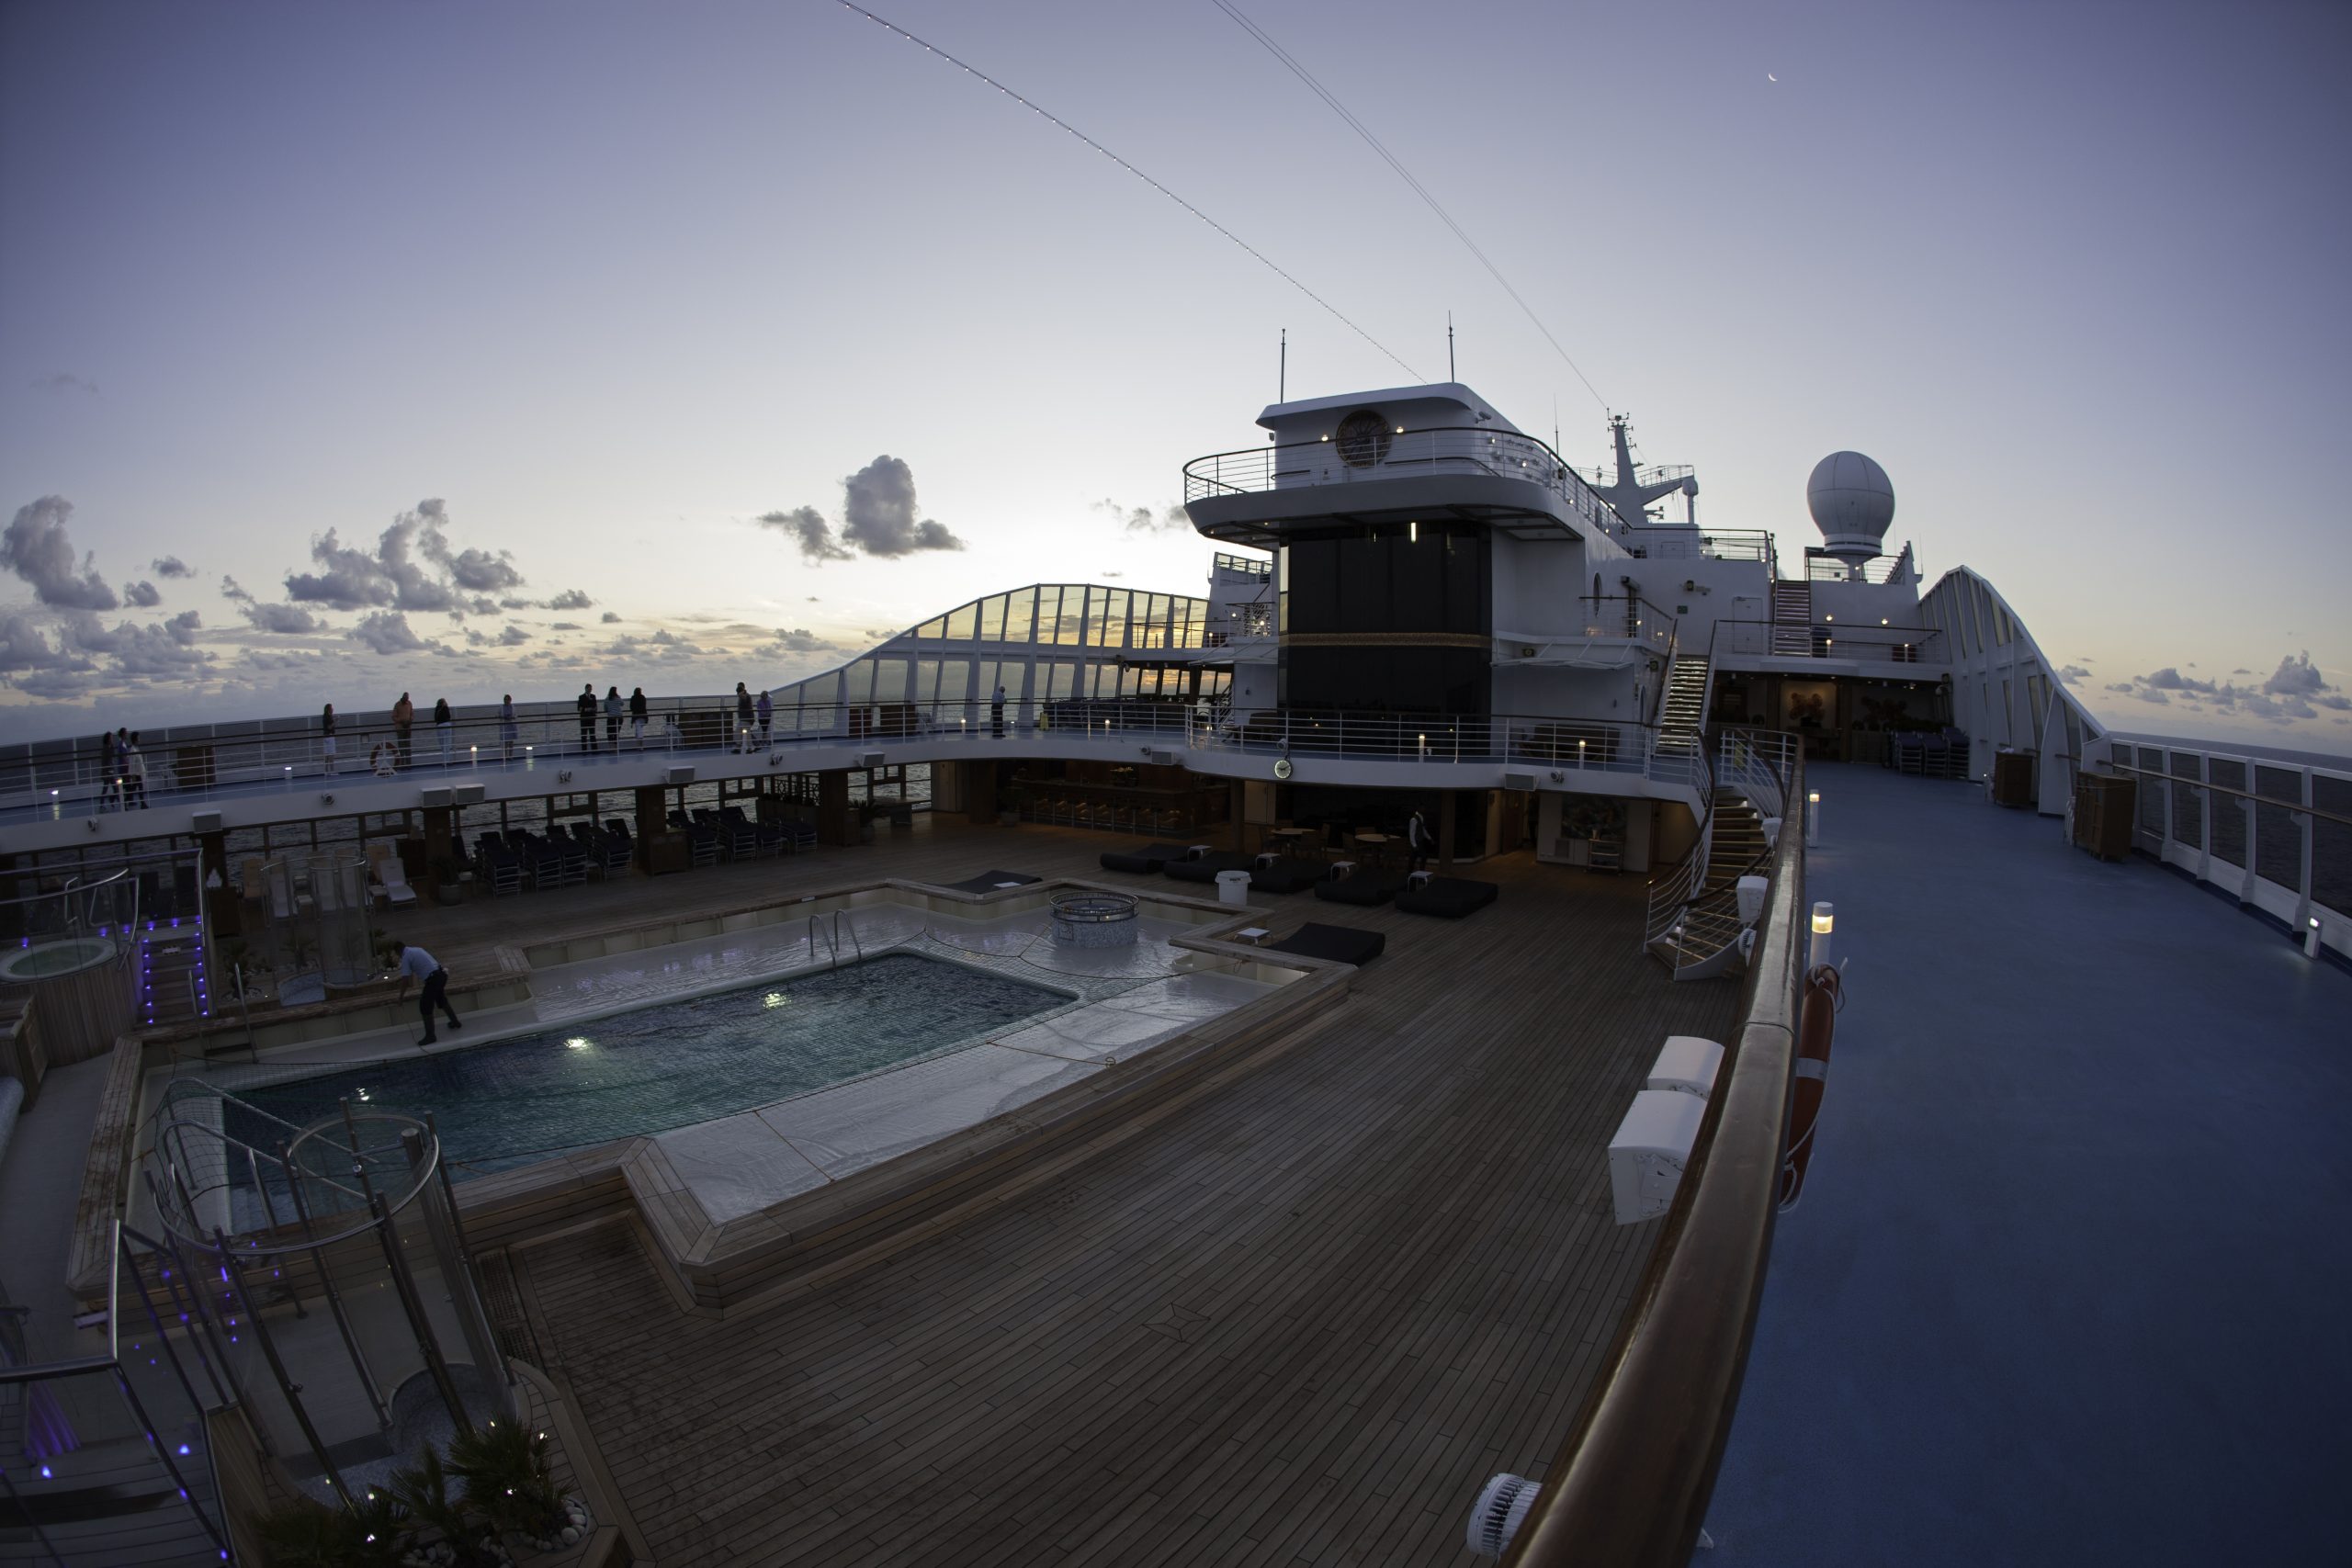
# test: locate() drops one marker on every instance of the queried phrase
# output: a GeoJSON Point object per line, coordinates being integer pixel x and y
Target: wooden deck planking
{"type": "Point", "coordinates": [1393, 1237]}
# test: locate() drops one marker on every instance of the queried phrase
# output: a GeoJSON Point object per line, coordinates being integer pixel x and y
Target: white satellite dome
{"type": "Point", "coordinates": [1852, 503]}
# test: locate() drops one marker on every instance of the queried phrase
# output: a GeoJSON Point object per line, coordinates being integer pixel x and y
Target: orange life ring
{"type": "Point", "coordinates": [1815, 1028]}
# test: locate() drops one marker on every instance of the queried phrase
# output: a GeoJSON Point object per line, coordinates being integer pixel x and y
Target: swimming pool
{"type": "Point", "coordinates": [664, 1067]}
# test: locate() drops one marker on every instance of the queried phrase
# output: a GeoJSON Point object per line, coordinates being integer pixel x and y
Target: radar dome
{"type": "Point", "coordinates": [1851, 503]}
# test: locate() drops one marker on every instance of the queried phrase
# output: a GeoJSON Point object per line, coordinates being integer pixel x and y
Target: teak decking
{"type": "Point", "coordinates": [1302, 1317]}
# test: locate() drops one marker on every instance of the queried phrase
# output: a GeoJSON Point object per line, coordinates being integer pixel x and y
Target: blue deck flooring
{"type": "Point", "coordinates": [2072, 1281]}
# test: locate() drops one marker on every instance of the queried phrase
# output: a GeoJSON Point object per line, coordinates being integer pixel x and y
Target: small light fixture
{"type": "Point", "coordinates": [1813, 818]}
{"type": "Point", "coordinates": [1824, 924]}
{"type": "Point", "coordinates": [1413, 533]}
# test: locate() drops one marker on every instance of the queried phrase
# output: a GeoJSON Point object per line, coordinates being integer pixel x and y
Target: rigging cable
{"type": "Point", "coordinates": [1254, 30]}
{"type": "Point", "coordinates": [1056, 119]}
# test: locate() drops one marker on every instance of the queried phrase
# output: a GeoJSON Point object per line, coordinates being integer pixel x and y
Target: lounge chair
{"type": "Point", "coordinates": [1149, 859]}
{"type": "Point", "coordinates": [1279, 873]}
{"type": "Point", "coordinates": [992, 881]}
{"type": "Point", "coordinates": [390, 881]}
{"type": "Point", "coordinates": [1205, 868]}
{"type": "Point", "coordinates": [1364, 888]}
{"type": "Point", "coordinates": [1344, 944]}
{"type": "Point", "coordinates": [1451, 896]}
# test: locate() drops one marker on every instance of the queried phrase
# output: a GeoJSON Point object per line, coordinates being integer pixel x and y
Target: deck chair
{"type": "Point", "coordinates": [390, 877]}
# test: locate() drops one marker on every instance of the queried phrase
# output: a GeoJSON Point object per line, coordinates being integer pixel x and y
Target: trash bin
{"type": "Point", "coordinates": [1233, 888]}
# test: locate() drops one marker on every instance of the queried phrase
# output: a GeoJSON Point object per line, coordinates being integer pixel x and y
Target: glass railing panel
{"type": "Point", "coordinates": [2188, 801]}
{"type": "Point", "coordinates": [2229, 818]}
{"type": "Point", "coordinates": [2331, 843]}
{"type": "Point", "coordinates": [2277, 831]}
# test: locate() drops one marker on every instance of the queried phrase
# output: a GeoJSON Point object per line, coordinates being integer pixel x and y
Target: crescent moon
{"type": "Point", "coordinates": [1769, 77]}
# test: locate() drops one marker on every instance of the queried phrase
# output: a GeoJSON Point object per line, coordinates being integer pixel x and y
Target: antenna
{"type": "Point", "coordinates": [1449, 346]}
{"type": "Point", "coordinates": [1281, 376]}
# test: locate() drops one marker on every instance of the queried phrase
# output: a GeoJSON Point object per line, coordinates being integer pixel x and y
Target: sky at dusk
{"type": "Point", "coordinates": [458, 349]}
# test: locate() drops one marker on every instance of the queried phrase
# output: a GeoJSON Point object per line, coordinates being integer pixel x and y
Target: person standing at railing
{"type": "Point", "coordinates": [442, 726]}
{"type": "Point", "coordinates": [613, 709]}
{"type": "Point", "coordinates": [742, 717]}
{"type": "Point", "coordinates": [1416, 841]}
{"type": "Point", "coordinates": [404, 716]}
{"type": "Point", "coordinates": [766, 709]}
{"type": "Point", "coordinates": [586, 704]}
{"type": "Point", "coordinates": [996, 712]}
{"type": "Point", "coordinates": [637, 716]}
{"type": "Point", "coordinates": [508, 733]}
{"type": "Point", "coordinates": [326, 740]}
{"type": "Point", "coordinates": [134, 774]}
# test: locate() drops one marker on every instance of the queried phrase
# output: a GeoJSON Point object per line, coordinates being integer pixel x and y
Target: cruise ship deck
{"type": "Point", "coordinates": [2068, 1280]}
{"type": "Point", "coordinates": [1300, 1316]}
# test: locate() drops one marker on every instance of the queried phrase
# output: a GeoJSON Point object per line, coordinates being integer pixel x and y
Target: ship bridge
{"type": "Point", "coordinates": [1402, 456]}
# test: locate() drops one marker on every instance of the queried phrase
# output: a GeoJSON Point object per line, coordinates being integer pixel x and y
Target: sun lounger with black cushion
{"type": "Point", "coordinates": [1452, 896]}
{"type": "Point", "coordinates": [992, 881]}
{"type": "Point", "coordinates": [1146, 858]}
{"type": "Point", "coordinates": [1279, 873]}
{"type": "Point", "coordinates": [1363, 888]}
{"type": "Point", "coordinates": [1342, 945]}
{"type": "Point", "coordinates": [1205, 868]}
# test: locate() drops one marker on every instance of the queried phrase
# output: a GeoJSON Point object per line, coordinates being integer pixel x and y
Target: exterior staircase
{"type": "Point", "coordinates": [1701, 940]}
{"type": "Point", "coordinates": [1682, 717]}
{"type": "Point", "coordinates": [1793, 619]}
{"type": "Point", "coordinates": [173, 984]}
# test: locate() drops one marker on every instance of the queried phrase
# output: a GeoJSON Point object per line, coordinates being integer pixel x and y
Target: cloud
{"type": "Point", "coordinates": [571, 599]}
{"type": "Point", "coordinates": [809, 532]}
{"type": "Point", "coordinates": [141, 595]}
{"type": "Point", "coordinates": [800, 639]}
{"type": "Point", "coordinates": [2297, 690]}
{"type": "Point", "coordinates": [159, 652]}
{"type": "Point", "coordinates": [57, 383]}
{"type": "Point", "coordinates": [878, 513]}
{"type": "Point", "coordinates": [1168, 519]}
{"type": "Point", "coordinates": [610, 617]}
{"type": "Point", "coordinates": [387, 632]}
{"type": "Point", "coordinates": [411, 567]}
{"type": "Point", "coordinates": [286, 619]}
{"type": "Point", "coordinates": [184, 627]}
{"type": "Point", "coordinates": [232, 588]}
{"type": "Point", "coordinates": [35, 547]}
{"type": "Point", "coordinates": [2074, 673]}
{"type": "Point", "coordinates": [563, 626]}
{"type": "Point", "coordinates": [2295, 677]}
{"type": "Point", "coordinates": [24, 646]}
{"type": "Point", "coordinates": [172, 565]}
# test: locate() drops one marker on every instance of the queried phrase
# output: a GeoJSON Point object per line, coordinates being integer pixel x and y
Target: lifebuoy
{"type": "Point", "coordinates": [1815, 1027]}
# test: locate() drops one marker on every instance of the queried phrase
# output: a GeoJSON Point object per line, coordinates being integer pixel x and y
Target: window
{"type": "Point", "coordinates": [1019, 611]}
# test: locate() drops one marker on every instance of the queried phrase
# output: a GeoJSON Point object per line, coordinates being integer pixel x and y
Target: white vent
{"type": "Point", "coordinates": [1501, 1509]}
{"type": "Point", "coordinates": [436, 796]}
{"type": "Point", "coordinates": [682, 774]}
{"type": "Point", "coordinates": [1519, 780]}
{"type": "Point", "coordinates": [204, 822]}
{"type": "Point", "coordinates": [1163, 759]}
{"type": "Point", "coordinates": [468, 795]}
{"type": "Point", "coordinates": [869, 759]}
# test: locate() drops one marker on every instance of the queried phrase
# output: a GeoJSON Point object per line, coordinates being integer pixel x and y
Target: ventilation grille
{"type": "Point", "coordinates": [1497, 1513]}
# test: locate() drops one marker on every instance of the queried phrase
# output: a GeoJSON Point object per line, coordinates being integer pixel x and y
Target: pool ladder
{"type": "Point", "coordinates": [832, 938]}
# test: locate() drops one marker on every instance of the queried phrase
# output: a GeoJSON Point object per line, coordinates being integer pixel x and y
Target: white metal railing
{"type": "Point", "coordinates": [2275, 833]}
{"type": "Point", "coordinates": [1397, 453]}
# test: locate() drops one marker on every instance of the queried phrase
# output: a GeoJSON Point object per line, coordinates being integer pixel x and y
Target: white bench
{"type": "Point", "coordinates": [1687, 1064]}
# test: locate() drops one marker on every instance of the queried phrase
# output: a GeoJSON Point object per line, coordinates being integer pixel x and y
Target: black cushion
{"type": "Point", "coordinates": [1452, 896]}
{"type": "Point", "coordinates": [1364, 887]}
{"type": "Point", "coordinates": [1285, 876]}
{"type": "Point", "coordinates": [986, 881]}
{"type": "Point", "coordinates": [1344, 944]}
{"type": "Point", "coordinates": [1205, 868]}
{"type": "Point", "coordinates": [1149, 858]}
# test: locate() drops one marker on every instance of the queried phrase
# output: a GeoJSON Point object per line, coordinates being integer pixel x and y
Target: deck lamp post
{"type": "Point", "coordinates": [1811, 818]}
{"type": "Point", "coordinates": [2311, 938]}
{"type": "Point", "coordinates": [1824, 923]}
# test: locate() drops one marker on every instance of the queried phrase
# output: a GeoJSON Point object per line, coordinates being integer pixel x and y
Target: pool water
{"type": "Point", "coordinates": [664, 1067]}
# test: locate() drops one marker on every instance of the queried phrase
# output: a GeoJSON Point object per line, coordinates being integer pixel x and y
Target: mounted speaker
{"type": "Point", "coordinates": [436, 796]}
{"type": "Point", "coordinates": [469, 794]}
{"type": "Point", "coordinates": [205, 822]}
{"type": "Point", "coordinates": [869, 759]}
{"type": "Point", "coordinates": [1163, 759]}
{"type": "Point", "coordinates": [682, 774]}
{"type": "Point", "coordinates": [1519, 780]}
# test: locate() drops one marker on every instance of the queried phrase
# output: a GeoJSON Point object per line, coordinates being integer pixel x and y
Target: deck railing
{"type": "Point", "coordinates": [1630, 1485]}
{"type": "Point", "coordinates": [1358, 458]}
